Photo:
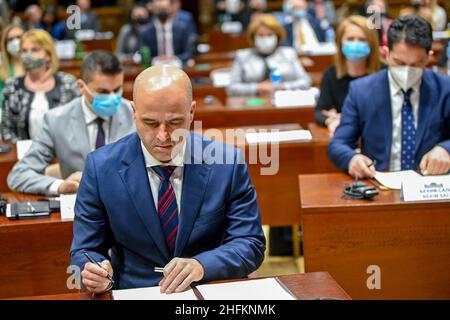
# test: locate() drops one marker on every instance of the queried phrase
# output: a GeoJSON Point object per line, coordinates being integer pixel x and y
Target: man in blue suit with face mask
{"type": "Point", "coordinates": [71, 131]}
{"type": "Point", "coordinates": [400, 115]}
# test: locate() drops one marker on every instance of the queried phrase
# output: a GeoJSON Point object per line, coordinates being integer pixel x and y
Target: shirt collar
{"type": "Point", "coordinates": [89, 114]}
{"type": "Point", "coordinates": [150, 161]}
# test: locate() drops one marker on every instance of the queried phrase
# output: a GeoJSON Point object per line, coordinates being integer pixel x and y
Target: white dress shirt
{"type": "Point", "coordinates": [91, 125]}
{"type": "Point", "coordinates": [92, 129]}
{"type": "Point", "coordinates": [167, 29]}
{"type": "Point", "coordinates": [39, 106]}
{"type": "Point", "coordinates": [309, 36]}
{"type": "Point", "coordinates": [397, 98]}
{"type": "Point", "coordinates": [176, 179]}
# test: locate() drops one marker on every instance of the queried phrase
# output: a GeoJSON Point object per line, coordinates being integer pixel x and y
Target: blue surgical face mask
{"type": "Point", "coordinates": [355, 51]}
{"type": "Point", "coordinates": [106, 105]}
{"type": "Point", "coordinates": [287, 7]}
{"type": "Point", "coordinates": [299, 14]}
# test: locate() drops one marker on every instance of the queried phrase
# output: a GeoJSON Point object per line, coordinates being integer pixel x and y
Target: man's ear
{"type": "Point", "coordinates": [134, 109]}
{"type": "Point", "coordinates": [384, 51]}
{"type": "Point", "coordinates": [192, 111]}
{"type": "Point", "coordinates": [80, 84]}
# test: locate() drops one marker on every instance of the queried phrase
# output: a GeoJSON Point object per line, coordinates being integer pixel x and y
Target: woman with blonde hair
{"type": "Point", "coordinates": [357, 56]}
{"type": "Point", "coordinates": [252, 68]}
{"type": "Point", "coordinates": [10, 62]}
{"type": "Point", "coordinates": [27, 98]}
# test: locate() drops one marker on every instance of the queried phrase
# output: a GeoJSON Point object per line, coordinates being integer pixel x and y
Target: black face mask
{"type": "Point", "coordinates": [163, 16]}
{"type": "Point", "coordinates": [140, 21]}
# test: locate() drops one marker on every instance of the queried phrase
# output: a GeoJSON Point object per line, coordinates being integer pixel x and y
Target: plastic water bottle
{"type": "Point", "coordinates": [275, 77]}
{"type": "Point", "coordinates": [329, 35]}
{"type": "Point", "coordinates": [146, 57]}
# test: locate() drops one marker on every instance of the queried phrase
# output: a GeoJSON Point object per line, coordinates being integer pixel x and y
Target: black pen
{"type": "Point", "coordinates": [98, 264]}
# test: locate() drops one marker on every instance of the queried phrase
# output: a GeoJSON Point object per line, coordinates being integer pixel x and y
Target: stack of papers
{"type": "Point", "coordinates": [295, 98]}
{"type": "Point", "coordinates": [261, 289]}
{"type": "Point", "coordinates": [394, 180]}
{"type": "Point", "coordinates": [67, 205]}
{"type": "Point", "coordinates": [278, 136]}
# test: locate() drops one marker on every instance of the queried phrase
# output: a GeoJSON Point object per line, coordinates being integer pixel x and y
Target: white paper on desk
{"type": "Point", "coordinates": [394, 180]}
{"type": "Point", "coordinates": [65, 49]}
{"type": "Point", "coordinates": [67, 205]}
{"type": "Point", "coordinates": [321, 49]}
{"type": "Point", "coordinates": [295, 98]}
{"type": "Point", "coordinates": [22, 148]}
{"type": "Point", "coordinates": [151, 293]}
{"type": "Point", "coordinates": [278, 136]}
{"type": "Point", "coordinates": [261, 289]}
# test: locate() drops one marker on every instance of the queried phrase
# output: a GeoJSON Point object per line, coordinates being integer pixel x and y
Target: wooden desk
{"type": "Point", "coordinates": [34, 253]}
{"type": "Point", "coordinates": [7, 161]}
{"type": "Point", "coordinates": [410, 242]}
{"type": "Point", "coordinates": [238, 113]}
{"type": "Point", "coordinates": [308, 286]}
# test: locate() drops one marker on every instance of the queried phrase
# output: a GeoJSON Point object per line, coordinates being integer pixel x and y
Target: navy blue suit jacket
{"type": "Point", "coordinates": [116, 219]}
{"type": "Point", "coordinates": [315, 24]}
{"type": "Point", "coordinates": [367, 114]}
{"type": "Point", "coordinates": [183, 38]}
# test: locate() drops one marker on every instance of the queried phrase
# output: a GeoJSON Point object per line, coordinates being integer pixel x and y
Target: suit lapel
{"type": "Point", "coordinates": [383, 92]}
{"type": "Point", "coordinates": [195, 180]}
{"type": "Point", "coordinates": [79, 135]}
{"type": "Point", "coordinates": [425, 103]}
{"type": "Point", "coordinates": [135, 178]}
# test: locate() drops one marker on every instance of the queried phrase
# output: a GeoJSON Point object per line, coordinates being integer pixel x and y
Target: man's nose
{"type": "Point", "coordinates": [163, 135]}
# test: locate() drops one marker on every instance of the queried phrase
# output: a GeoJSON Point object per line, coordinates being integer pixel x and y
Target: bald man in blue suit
{"type": "Point", "coordinates": [162, 197]}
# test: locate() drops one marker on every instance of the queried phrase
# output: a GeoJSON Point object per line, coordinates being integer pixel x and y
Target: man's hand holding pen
{"type": "Point", "coordinates": [361, 167]}
{"type": "Point", "coordinates": [95, 278]}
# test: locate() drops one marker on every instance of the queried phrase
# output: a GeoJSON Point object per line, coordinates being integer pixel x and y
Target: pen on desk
{"type": "Point", "coordinates": [98, 264]}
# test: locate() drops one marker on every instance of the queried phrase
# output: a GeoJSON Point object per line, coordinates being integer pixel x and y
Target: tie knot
{"type": "Point", "coordinates": [164, 173]}
{"type": "Point", "coordinates": [99, 121]}
{"type": "Point", "coordinates": [408, 93]}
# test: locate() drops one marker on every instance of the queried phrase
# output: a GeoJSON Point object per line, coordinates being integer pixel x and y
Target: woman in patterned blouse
{"type": "Point", "coordinates": [27, 98]}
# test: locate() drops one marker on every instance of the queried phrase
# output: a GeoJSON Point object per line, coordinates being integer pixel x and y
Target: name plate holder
{"type": "Point", "coordinates": [429, 188]}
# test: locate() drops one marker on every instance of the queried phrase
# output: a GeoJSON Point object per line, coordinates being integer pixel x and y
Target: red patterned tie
{"type": "Point", "coordinates": [167, 206]}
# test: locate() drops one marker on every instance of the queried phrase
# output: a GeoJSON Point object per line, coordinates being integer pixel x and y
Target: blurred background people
{"type": "Point", "coordinates": [303, 30]}
{"type": "Point", "coordinates": [28, 97]}
{"type": "Point", "coordinates": [33, 16]}
{"type": "Point", "coordinates": [51, 23]}
{"type": "Point", "coordinates": [233, 10]}
{"type": "Point", "coordinates": [167, 35]}
{"type": "Point", "coordinates": [128, 39]}
{"type": "Point", "coordinates": [430, 11]}
{"type": "Point", "coordinates": [357, 56]}
{"type": "Point", "coordinates": [88, 19]}
{"type": "Point", "coordinates": [252, 68]}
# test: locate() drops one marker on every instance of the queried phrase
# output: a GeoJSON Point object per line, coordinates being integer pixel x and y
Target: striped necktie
{"type": "Point", "coordinates": [408, 133]}
{"type": "Point", "coordinates": [167, 206]}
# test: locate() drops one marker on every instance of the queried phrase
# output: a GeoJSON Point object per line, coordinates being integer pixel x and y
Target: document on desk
{"type": "Point", "coordinates": [67, 206]}
{"type": "Point", "coordinates": [261, 289]}
{"type": "Point", "coordinates": [394, 180]}
{"type": "Point", "coordinates": [278, 136]}
{"type": "Point", "coordinates": [295, 98]}
{"type": "Point", "coordinates": [151, 293]}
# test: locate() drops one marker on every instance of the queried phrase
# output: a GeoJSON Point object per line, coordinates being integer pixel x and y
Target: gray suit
{"type": "Point", "coordinates": [64, 136]}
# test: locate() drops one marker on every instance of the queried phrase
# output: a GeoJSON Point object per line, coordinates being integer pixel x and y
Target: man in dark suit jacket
{"type": "Point", "coordinates": [165, 197]}
{"type": "Point", "coordinates": [167, 34]}
{"type": "Point", "coordinates": [296, 14]}
{"type": "Point", "coordinates": [401, 115]}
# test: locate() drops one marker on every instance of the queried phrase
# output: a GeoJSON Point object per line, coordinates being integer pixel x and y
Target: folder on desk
{"type": "Point", "coordinates": [260, 289]}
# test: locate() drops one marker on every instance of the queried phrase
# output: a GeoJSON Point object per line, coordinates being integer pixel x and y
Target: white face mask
{"type": "Point", "coordinates": [13, 47]}
{"type": "Point", "coordinates": [233, 6]}
{"type": "Point", "coordinates": [406, 77]}
{"type": "Point", "coordinates": [266, 44]}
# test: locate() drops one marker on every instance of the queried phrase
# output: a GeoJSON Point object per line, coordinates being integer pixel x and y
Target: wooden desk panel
{"type": "Point", "coordinates": [410, 242]}
{"type": "Point", "coordinates": [7, 161]}
{"type": "Point", "coordinates": [309, 286]}
{"type": "Point", "coordinates": [34, 253]}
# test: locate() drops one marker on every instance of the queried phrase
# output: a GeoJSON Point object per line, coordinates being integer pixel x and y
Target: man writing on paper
{"type": "Point", "coordinates": [70, 132]}
{"type": "Point", "coordinates": [159, 198]}
{"type": "Point", "coordinates": [402, 114]}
